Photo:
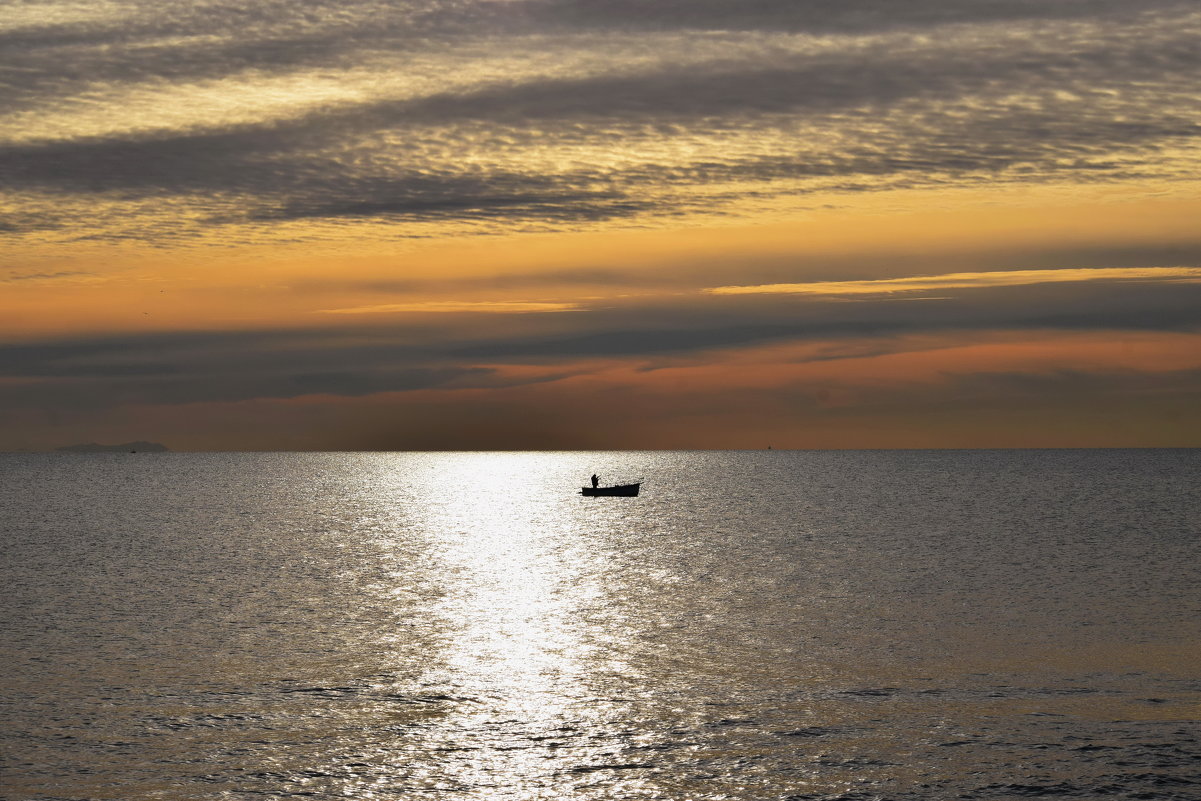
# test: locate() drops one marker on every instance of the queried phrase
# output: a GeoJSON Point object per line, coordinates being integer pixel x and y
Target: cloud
{"type": "Point", "coordinates": [61, 276]}
{"type": "Point", "coordinates": [423, 349]}
{"type": "Point", "coordinates": [569, 113]}
{"type": "Point", "coordinates": [229, 366]}
{"type": "Point", "coordinates": [1073, 383]}
{"type": "Point", "coordinates": [699, 271]}
{"type": "Point", "coordinates": [651, 327]}
{"type": "Point", "coordinates": [176, 122]}
{"type": "Point", "coordinates": [214, 367]}
{"type": "Point", "coordinates": [461, 307]}
{"type": "Point", "coordinates": [752, 361]}
{"type": "Point", "coordinates": [921, 283]}
{"type": "Point", "coordinates": [825, 16]}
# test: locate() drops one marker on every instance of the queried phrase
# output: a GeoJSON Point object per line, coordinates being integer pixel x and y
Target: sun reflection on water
{"type": "Point", "coordinates": [519, 574]}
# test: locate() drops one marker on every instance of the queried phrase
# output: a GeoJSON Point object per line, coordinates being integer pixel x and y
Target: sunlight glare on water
{"type": "Point", "coordinates": [516, 549]}
{"type": "Point", "coordinates": [517, 651]}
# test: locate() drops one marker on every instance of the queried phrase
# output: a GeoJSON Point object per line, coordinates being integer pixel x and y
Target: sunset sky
{"type": "Point", "coordinates": [487, 224]}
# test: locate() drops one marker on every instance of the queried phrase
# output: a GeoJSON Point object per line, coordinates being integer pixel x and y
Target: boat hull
{"type": "Point", "coordinates": [621, 490]}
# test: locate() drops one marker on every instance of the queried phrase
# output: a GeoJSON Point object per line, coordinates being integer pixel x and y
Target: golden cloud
{"type": "Point", "coordinates": [965, 281]}
{"type": "Point", "coordinates": [460, 306]}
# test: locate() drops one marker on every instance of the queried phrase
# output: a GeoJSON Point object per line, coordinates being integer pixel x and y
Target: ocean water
{"type": "Point", "coordinates": [756, 625]}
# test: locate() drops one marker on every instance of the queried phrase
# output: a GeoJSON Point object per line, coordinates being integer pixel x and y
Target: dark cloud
{"type": "Point", "coordinates": [107, 386]}
{"type": "Point", "coordinates": [778, 97]}
{"type": "Point", "coordinates": [1073, 383]}
{"type": "Point", "coordinates": [425, 199]}
{"type": "Point", "coordinates": [818, 16]}
{"type": "Point", "coordinates": [55, 276]}
{"type": "Point", "coordinates": [217, 366]}
{"type": "Point", "coordinates": [1034, 408]}
{"type": "Point", "coordinates": [204, 354]}
{"type": "Point", "coordinates": [231, 366]}
{"type": "Point", "coordinates": [643, 331]}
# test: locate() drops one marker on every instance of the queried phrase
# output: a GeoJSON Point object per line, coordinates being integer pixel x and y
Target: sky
{"type": "Point", "coordinates": [561, 224]}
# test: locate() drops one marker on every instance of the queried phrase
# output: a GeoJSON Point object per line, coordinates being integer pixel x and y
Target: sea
{"type": "Point", "coordinates": [784, 625]}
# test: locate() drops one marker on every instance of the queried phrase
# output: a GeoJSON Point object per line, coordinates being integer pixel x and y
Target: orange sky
{"type": "Point", "coordinates": [921, 227]}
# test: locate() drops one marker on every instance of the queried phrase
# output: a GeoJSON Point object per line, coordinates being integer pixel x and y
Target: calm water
{"type": "Point", "coordinates": [772, 625]}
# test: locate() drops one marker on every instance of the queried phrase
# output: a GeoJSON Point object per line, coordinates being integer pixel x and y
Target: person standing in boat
{"type": "Point", "coordinates": [595, 481]}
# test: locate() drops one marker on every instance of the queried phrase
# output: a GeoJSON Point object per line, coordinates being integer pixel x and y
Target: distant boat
{"type": "Point", "coordinates": [625, 490]}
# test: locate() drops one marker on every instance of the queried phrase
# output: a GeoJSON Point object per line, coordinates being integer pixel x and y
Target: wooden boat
{"type": "Point", "coordinates": [625, 490]}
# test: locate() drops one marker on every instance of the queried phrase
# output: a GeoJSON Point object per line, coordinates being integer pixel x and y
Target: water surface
{"type": "Point", "coordinates": [756, 625]}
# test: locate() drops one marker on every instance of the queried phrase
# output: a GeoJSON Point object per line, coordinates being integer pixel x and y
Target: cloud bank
{"type": "Point", "coordinates": [442, 350]}
{"type": "Point", "coordinates": [167, 120]}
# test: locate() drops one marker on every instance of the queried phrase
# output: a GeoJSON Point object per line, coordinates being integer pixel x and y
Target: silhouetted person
{"type": "Point", "coordinates": [595, 481]}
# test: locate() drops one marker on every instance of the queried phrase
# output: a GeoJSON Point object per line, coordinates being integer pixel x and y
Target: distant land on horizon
{"type": "Point", "coordinates": [125, 447]}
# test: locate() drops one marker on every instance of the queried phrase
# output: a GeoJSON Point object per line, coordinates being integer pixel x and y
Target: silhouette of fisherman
{"type": "Point", "coordinates": [595, 481]}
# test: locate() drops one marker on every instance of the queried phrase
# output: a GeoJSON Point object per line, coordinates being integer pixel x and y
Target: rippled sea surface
{"type": "Point", "coordinates": [756, 625]}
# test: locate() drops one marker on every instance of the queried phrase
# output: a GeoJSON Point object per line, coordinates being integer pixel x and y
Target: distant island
{"type": "Point", "coordinates": [125, 447]}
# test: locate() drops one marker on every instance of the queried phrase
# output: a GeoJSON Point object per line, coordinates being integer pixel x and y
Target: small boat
{"type": "Point", "coordinates": [625, 490]}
